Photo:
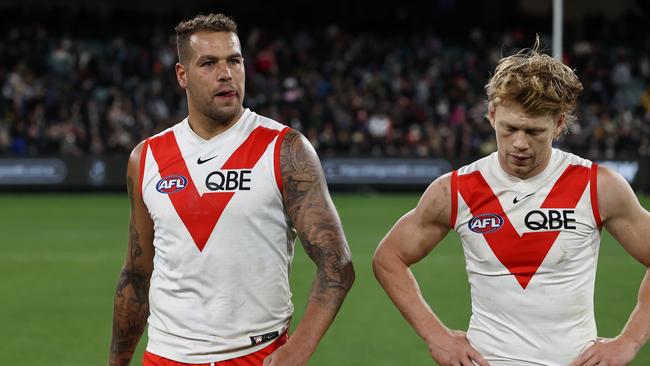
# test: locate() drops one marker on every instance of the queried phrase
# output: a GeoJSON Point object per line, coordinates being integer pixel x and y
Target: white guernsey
{"type": "Point", "coordinates": [223, 245]}
{"type": "Point", "coordinates": [531, 249]}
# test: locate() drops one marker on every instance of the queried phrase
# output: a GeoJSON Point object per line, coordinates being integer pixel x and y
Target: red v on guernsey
{"type": "Point", "coordinates": [522, 255]}
{"type": "Point", "coordinates": [200, 213]}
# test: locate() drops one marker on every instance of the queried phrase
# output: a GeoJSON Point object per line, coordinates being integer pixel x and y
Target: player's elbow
{"type": "Point", "coordinates": [348, 269]}
{"type": "Point", "coordinates": [340, 273]}
{"type": "Point", "coordinates": [381, 262]}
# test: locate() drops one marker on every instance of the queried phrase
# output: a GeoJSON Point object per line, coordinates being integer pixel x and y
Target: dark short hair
{"type": "Point", "coordinates": [200, 23]}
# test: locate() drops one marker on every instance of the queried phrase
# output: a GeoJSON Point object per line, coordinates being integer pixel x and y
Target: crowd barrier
{"type": "Point", "coordinates": [107, 173]}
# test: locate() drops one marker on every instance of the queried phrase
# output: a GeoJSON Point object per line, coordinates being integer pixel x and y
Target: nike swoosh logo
{"type": "Point", "coordinates": [199, 161]}
{"type": "Point", "coordinates": [515, 200]}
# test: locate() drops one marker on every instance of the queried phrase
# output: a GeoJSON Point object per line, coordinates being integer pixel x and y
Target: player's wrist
{"type": "Point", "coordinates": [302, 346]}
{"type": "Point", "coordinates": [435, 337]}
{"type": "Point", "coordinates": [630, 341]}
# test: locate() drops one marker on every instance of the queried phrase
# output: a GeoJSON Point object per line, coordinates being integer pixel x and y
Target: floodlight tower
{"type": "Point", "coordinates": [558, 6]}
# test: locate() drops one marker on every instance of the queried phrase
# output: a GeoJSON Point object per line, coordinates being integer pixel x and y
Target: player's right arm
{"type": "Point", "coordinates": [131, 306]}
{"type": "Point", "coordinates": [411, 239]}
{"type": "Point", "coordinates": [629, 223]}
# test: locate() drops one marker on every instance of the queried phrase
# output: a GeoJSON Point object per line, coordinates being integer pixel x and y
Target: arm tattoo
{"type": "Point", "coordinates": [131, 306]}
{"type": "Point", "coordinates": [135, 250]}
{"type": "Point", "coordinates": [310, 208]}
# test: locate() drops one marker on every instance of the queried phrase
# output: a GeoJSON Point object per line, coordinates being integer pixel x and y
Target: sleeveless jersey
{"type": "Point", "coordinates": [223, 242]}
{"type": "Point", "coordinates": [531, 249]}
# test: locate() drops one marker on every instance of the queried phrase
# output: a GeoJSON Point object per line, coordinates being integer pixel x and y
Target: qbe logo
{"type": "Point", "coordinates": [171, 184]}
{"type": "Point", "coordinates": [485, 223]}
{"type": "Point", "coordinates": [229, 180]}
{"type": "Point", "coordinates": [550, 220]}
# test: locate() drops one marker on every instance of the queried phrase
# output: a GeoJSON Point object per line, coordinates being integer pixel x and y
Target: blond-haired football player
{"type": "Point", "coordinates": [530, 219]}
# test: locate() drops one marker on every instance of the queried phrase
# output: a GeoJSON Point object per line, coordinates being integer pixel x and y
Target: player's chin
{"type": "Point", "coordinates": [520, 169]}
{"type": "Point", "coordinates": [227, 105]}
{"type": "Point", "coordinates": [224, 112]}
{"type": "Point", "coordinates": [221, 102]}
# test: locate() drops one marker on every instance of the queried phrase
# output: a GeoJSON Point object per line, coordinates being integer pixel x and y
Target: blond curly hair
{"type": "Point", "coordinates": [542, 85]}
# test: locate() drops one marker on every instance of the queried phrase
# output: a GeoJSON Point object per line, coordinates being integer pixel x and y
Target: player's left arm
{"type": "Point", "coordinates": [310, 208]}
{"type": "Point", "coordinates": [629, 223]}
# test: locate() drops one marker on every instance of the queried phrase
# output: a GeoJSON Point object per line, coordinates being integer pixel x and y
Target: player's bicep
{"type": "Point", "coordinates": [417, 232]}
{"type": "Point", "coordinates": [308, 203]}
{"type": "Point", "coordinates": [140, 235]}
{"type": "Point", "coordinates": [623, 216]}
{"type": "Point", "coordinates": [410, 240]}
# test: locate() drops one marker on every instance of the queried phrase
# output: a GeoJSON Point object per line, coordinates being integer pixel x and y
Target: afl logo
{"type": "Point", "coordinates": [485, 223]}
{"type": "Point", "coordinates": [171, 184]}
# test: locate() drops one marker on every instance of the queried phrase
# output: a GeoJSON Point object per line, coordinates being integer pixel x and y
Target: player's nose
{"type": "Point", "coordinates": [520, 140]}
{"type": "Point", "coordinates": [223, 72]}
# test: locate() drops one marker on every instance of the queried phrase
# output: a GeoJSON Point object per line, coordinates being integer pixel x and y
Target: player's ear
{"type": "Point", "coordinates": [559, 125]}
{"type": "Point", "coordinates": [490, 113]}
{"type": "Point", "coordinates": [181, 76]}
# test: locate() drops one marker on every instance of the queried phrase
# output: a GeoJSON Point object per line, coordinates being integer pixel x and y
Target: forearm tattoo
{"type": "Point", "coordinates": [309, 206]}
{"type": "Point", "coordinates": [131, 306]}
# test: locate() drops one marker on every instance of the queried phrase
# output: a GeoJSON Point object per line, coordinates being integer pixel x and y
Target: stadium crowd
{"type": "Point", "coordinates": [351, 93]}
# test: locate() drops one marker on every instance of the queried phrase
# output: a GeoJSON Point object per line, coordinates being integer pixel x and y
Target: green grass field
{"type": "Point", "coordinates": [60, 256]}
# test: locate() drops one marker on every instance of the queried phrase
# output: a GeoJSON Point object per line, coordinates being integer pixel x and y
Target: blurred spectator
{"type": "Point", "coordinates": [361, 94]}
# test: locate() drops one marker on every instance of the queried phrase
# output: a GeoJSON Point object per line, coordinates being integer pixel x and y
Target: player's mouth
{"type": "Point", "coordinates": [226, 94]}
{"type": "Point", "coordinates": [520, 160]}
